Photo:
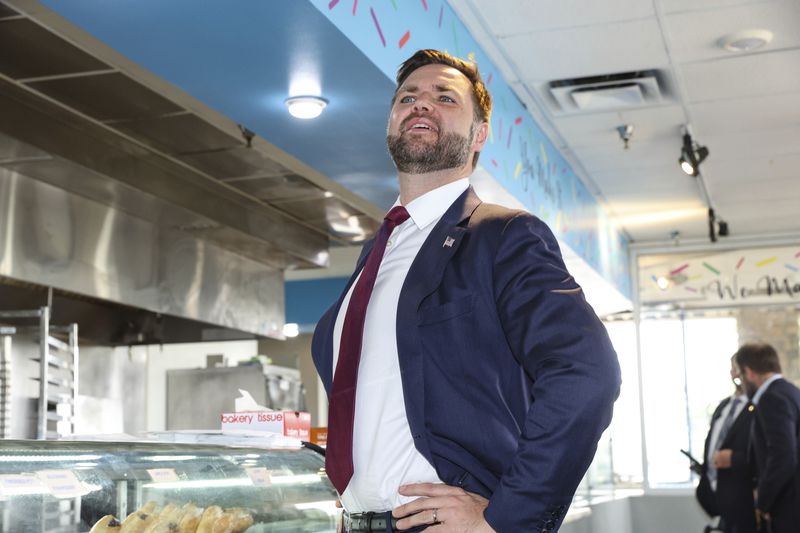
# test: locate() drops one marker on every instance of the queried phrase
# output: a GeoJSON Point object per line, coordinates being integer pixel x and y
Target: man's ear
{"type": "Point", "coordinates": [481, 134]}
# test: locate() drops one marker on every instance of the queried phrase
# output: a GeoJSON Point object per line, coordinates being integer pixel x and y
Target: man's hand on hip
{"type": "Point", "coordinates": [449, 508]}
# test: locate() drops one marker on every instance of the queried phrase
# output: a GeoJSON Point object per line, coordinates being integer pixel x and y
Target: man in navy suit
{"type": "Point", "coordinates": [726, 483]}
{"type": "Point", "coordinates": [774, 439]}
{"type": "Point", "coordinates": [485, 380]}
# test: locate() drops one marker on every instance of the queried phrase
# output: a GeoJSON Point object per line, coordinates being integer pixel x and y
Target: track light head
{"type": "Point", "coordinates": [691, 156]}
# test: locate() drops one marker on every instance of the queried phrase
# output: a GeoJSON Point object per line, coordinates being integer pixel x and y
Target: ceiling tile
{"type": "Point", "coordinates": [651, 123]}
{"type": "Point", "coordinates": [760, 169]}
{"type": "Point", "coordinates": [508, 17]}
{"type": "Point", "coordinates": [748, 75]}
{"type": "Point", "coordinates": [746, 114]}
{"type": "Point", "coordinates": [661, 182]}
{"type": "Point", "coordinates": [587, 51]}
{"type": "Point", "coordinates": [693, 36]}
{"type": "Point", "coordinates": [639, 155]}
{"type": "Point", "coordinates": [674, 6]}
{"type": "Point", "coordinates": [746, 144]}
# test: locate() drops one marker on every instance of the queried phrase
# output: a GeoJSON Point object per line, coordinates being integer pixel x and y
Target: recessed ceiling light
{"type": "Point", "coordinates": [306, 106]}
{"type": "Point", "coordinates": [745, 40]}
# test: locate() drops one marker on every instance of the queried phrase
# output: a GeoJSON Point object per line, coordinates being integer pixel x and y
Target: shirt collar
{"type": "Point", "coordinates": [433, 204]}
{"type": "Point", "coordinates": [763, 388]}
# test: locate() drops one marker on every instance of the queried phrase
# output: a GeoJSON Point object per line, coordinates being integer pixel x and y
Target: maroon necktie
{"type": "Point", "coordinates": [342, 406]}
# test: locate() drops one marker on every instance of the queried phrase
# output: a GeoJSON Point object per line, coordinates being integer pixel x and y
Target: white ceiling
{"type": "Point", "coordinates": [744, 107]}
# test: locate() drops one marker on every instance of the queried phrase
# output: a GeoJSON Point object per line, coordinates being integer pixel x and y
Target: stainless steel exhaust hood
{"type": "Point", "coordinates": [119, 187]}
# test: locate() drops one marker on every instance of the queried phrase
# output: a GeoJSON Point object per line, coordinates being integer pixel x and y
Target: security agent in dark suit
{"type": "Point", "coordinates": [775, 445]}
{"type": "Point", "coordinates": [726, 482]}
{"type": "Point", "coordinates": [506, 376]}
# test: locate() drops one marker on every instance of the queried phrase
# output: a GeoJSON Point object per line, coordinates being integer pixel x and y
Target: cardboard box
{"type": "Point", "coordinates": [295, 424]}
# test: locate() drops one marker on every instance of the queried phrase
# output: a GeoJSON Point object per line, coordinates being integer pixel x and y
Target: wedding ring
{"type": "Point", "coordinates": [434, 516]}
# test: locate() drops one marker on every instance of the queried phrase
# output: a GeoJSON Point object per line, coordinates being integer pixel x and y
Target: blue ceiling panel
{"type": "Point", "coordinates": [243, 58]}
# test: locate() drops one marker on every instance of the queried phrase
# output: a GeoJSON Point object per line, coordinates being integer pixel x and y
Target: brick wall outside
{"type": "Point", "coordinates": [778, 326]}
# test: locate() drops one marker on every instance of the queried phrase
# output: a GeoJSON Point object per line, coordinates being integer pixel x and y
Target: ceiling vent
{"type": "Point", "coordinates": [608, 92]}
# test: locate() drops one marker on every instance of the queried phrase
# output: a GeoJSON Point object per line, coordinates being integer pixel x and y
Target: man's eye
{"type": "Point", "coordinates": [444, 98]}
{"type": "Point", "coordinates": [406, 99]}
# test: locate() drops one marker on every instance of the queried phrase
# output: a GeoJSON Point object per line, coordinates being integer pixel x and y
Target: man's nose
{"type": "Point", "coordinates": [423, 103]}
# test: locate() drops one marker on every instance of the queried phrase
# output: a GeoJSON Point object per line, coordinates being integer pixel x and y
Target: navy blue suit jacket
{"type": "Point", "coordinates": [776, 447]}
{"type": "Point", "coordinates": [509, 377]}
{"type": "Point", "coordinates": [733, 499]}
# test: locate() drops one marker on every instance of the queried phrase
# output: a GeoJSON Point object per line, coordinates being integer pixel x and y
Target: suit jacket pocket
{"type": "Point", "coordinates": [445, 311]}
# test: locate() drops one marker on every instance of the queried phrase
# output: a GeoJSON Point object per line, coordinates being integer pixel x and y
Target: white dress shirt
{"type": "Point", "coordinates": [713, 442]}
{"type": "Point", "coordinates": [384, 455]}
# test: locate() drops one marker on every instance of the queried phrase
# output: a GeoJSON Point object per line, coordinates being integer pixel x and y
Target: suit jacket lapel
{"type": "Point", "coordinates": [423, 277]}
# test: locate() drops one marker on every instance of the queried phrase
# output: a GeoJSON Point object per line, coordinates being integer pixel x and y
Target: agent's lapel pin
{"type": "Point", "coordinates": [448, 242]}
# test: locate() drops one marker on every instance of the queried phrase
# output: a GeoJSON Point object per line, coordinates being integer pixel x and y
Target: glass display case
{"type": "Point", "coordinates": [53, 486]}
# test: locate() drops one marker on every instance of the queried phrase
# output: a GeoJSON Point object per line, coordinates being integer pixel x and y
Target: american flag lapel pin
{"type": "Point", "coordinates": [448, 242]}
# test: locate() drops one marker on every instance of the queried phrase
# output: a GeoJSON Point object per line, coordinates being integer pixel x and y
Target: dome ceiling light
{"type": "Point", "coordinates": [306, 107]}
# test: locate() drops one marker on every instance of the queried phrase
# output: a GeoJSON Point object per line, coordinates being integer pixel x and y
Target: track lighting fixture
{"type": "Point", "coordinates": [692, 155]}
{"type": "Point", "coordinates": [716, 226]}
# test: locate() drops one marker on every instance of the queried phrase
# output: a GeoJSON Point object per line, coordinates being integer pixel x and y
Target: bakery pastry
{"type": "Point", "coordinates": [107, 524]}
{"type": "Point", "coordinates": [208, 518]}
{"type": "Point", "coordinates": [191, 518]}
{"type": "Point", "coordinates": [139, 520]}
{"type": "Point", "coordinates": [234, 520]}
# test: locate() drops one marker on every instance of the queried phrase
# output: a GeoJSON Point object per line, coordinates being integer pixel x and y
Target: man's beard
{"type": "Point", "coordinates": [451, 150]}
{"type": "Point", "coordinates": [750, 388]}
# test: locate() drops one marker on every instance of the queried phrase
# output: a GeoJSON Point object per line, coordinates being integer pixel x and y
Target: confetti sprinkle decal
{"type": "Point", "coordinates": [711, 268]}
{"type": "Point", "coordinates": [494, 163]}
{"type": "Point", "coordinates": [394, 4]}
{"type": "Point", "coordinates": [766, 261]}
{"type": "Point", "coordinates": [441, 13]}
{"type": "Point", "coordinates": [404, 39]}
{"type": "Point", "coordinates": [510, 129]}
{"type": "Point", "coordinates": [679, 269]}
{"type": "Point", "coordinates": [691, 289]}
{"type": "Point", "coordinates": [543, 152]}
{"type": "Point", "coordinates": [489, 80]}
{"type": "Point", "coordinates": [517, 170]}
{"type": "Point", "coordinates": [739, 264]}
{"type": "Point", "coordinates": [425, 4]}
{"type": "Point", "coordinates": [471, 57]}
{"type": "Point", "coordinates": [377, 26]}
{"type": "Point", "coordinates": [332, 4]}
{"type": "Point", "coordinates": [518, 121]}
{"type": "Point", "coordinates": [792, 267]}
{"type": "Point", "coordinates": [695, 277]}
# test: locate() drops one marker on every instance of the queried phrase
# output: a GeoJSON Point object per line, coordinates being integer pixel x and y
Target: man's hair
{"type": "Point", "coordinates": [761, 358]}
{"type": "Point", "coordinates": [481, 99]}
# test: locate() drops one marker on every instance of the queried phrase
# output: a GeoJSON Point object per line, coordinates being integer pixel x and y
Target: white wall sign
{"type": "Point", "coordinates": [740, 277]}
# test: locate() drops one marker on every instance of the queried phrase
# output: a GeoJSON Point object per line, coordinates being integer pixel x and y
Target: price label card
{"type": "Point", "coordinates": [162, 474]}
{"type": "Point", "coordinates": [62, 483]}
{"type": "Point", "coordinates": [21, 484]}
{"type": "Point", "coordinates": [259, 476]}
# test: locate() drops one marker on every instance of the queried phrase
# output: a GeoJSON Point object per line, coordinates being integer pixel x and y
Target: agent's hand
{"type": "Point", "coordinates": [451, 509]}
{"type": "Point", "coordinates": [722, 458]}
